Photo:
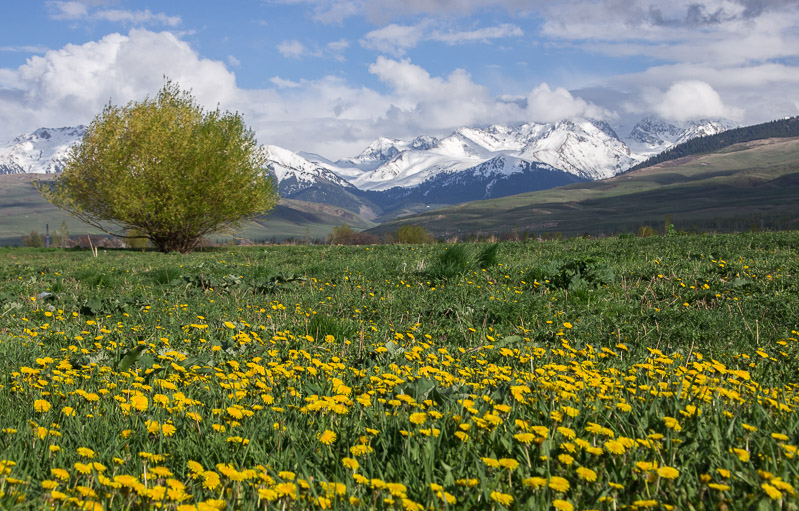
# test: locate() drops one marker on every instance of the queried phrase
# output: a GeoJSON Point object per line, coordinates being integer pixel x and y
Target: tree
{"type": "Point", "coordinates": [167, 169]}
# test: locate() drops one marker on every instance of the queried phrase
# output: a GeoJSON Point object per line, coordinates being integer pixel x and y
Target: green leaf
{"type": "Point", "coordinates": [130, 358]}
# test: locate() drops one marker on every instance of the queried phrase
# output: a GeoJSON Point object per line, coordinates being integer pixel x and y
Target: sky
{"type": "Point", "coordinates": [329, 76]}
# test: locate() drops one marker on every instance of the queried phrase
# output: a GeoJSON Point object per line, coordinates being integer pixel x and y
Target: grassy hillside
{"type": "Point", "coordinates": [23, 210]}
{"type": "Point", "coordinates": [743, 186]}
{"type": "Point", "coordinates": [781, 128]}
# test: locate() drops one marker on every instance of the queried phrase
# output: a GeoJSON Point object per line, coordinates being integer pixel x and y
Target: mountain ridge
{"type": "Point", "coordinates": [391, 177]}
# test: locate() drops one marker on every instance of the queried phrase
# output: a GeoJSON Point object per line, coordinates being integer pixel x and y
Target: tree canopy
{"type": "Point", "coordinates": [166, 168]}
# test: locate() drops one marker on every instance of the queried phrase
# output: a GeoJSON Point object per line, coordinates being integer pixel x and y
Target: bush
{"type": "Point", "coordinates": [413, 235]}
{"type": "Point", "coordinates": [34, 239]}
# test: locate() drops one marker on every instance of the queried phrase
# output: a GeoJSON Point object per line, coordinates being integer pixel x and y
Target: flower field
{"type": "Point", "coordinates": [622, 373]}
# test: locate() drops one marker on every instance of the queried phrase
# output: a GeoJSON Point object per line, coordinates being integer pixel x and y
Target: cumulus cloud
{"type": "Point", "coordinates": [396, 39]}
{"type": "Point", "coordinates": [690, 100]}
{"type": "Point", "coordinates": [548, 105]}
{"type": "Point", "coordinates": [68, 86]}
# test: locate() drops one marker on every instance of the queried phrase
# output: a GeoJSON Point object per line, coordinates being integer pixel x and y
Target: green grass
{"type": "Point", "coordinates": [663, 367]}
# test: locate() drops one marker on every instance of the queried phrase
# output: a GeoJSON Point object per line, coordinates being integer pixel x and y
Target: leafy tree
{"type": "Point", "coordinates": [166, 168]}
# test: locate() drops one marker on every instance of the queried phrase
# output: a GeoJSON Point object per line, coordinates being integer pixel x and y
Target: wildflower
{"type": "Point", "coordinates": [672, 423]}
{"type": "Point", "coordinates": [562, 505]}
{"type": "Point", "coordinates": [559, 484]}
{"type": "Point", "coordinates": [418, 418]}
{"type": "Point", "coordinates": [508, 463]}
{"type": "Point", "coordinates": [491, 462]}
{"type": "Point", "coordinates": [535, 482]}
{"type": "Point", "coordinates": [567, 432]}
{"type": "Point", "coordinates": [771, 491]}
{"type": "Point", "coordinates": [614, 447]}
{"type": "Point", "coordinates": [742, 454]}
{"type": "Point", "coordinates": [502, 498]}
{"type": "Point", "coordinates": [718, 487]}
{"type": "Point", "coordinates": [327, 437]}
{"type": "Point", "coordinates": [586, 474]}
{"type": "Point", "coordinates": [525, 438]}
{"type": "Point", "coordinates": [59, 473]}
{"type": "Point", "coordinates": [86, 452]}
{"type": "Point", "coordinates": [42, 406]}
{"type": "Point", "coordinates": [668, 472]}
{"type": "Point", "coordinates": [350, 463]}
{"type": "Point", "coordinates": [565, 459]}
{"type": "Point", "coordinates": [776, 436]}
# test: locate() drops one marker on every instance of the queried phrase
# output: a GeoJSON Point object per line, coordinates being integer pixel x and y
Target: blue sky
{"type": "Point", "coordinates": [330, 76]}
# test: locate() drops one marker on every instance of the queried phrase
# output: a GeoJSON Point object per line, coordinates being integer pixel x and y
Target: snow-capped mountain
{"type": "Point", "coordinates": [651, 135]}
{"type": "Point", "coordinates": [42, 152]}
{"type": "Point", "coordinates": [585, 148]}
{"type": "Point", "coordinates": [389, 174]}
{"type": "Point", "coordinates": [295, 173]}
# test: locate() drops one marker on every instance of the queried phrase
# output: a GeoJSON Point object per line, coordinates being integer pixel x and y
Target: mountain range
{"type": "Point", "coordinates": [391, 177]}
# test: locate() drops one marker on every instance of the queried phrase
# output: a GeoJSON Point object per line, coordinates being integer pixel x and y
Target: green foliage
{"type": "Point", "coordinates": [454, 260]}
{"type": "Point", "coordinates": [167, 168]}
{"type": "Point", "coordinates": [582, 273]}
{"type": "Point", "coordinates": [344, 235]}
{"type": "Point", "coordinates": [487, 257]}
{"type": "Point", "coordinates": [646, 231]}
{"type": "Point", "coordinates": [458, 258]}
{"type": "Point", "coordinates": [413, 235]}
{"type": "Point", "coordinates": [33, 239]}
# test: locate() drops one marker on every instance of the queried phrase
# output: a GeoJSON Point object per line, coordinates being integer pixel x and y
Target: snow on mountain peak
{"type": "Point", "coordinates": [43, 151]}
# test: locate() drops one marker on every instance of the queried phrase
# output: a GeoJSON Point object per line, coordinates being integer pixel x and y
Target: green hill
{"type": "Point", "coordinates": [781, 128]}
{"type": "Point", "coordinates": [749, 185]}
{"type": "Point", "coordinates": [23, 210]}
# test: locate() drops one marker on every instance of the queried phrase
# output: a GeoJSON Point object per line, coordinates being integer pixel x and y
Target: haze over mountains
{"type": "Point", "coordinates": [393, 177]}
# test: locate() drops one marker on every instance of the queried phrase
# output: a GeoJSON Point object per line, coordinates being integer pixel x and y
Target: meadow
{"type": "Point", "coordinates": [616, 373]}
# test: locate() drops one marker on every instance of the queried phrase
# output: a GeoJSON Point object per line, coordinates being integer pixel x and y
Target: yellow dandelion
{"type": "Point", "coordinates": [586, 474]}
{"type": "Point", "coordinates": [503, 499]}
{"type": "Point", "coordinates": [327, 437]}
{"type": "Point", "coordinates": [562, 505]}
{"type": "Point", "coordinates": [42, 406]}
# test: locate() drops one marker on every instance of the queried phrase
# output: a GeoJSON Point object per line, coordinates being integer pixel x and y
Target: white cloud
{"type": "Point", "coordinates": [24, 49]}
{"type": "Point", "coordinates": [482, 34]}
{"type": "Point", "coordinates": [68, 86]}
{"type": "Point", "coordinates": [233, 61]}
{"type": "Point", "coordinates": [338, 46]}
{"type": "Point", "coordinates": [292, 49]}
{"type": "Point", "coordinates": [68, 10]}
{"type": "Point", "coordinates": [144, 17]}
{"type": "Point", "coordinates": [548, 105]}
{"type": "Point", "coordinates": [336, 118]}
{"type": "Point", "coordinates": [282, 83]}
{"type": "Point", "coordinates": [688, 100]}
{"type": "Point", "coordinates": [396, 39]}
{"type": "Point", "coordinates": [79, 10]}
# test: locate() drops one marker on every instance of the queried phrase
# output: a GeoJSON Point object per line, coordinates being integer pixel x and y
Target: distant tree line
{"type": "Point", "coordinates": [782, 128]}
